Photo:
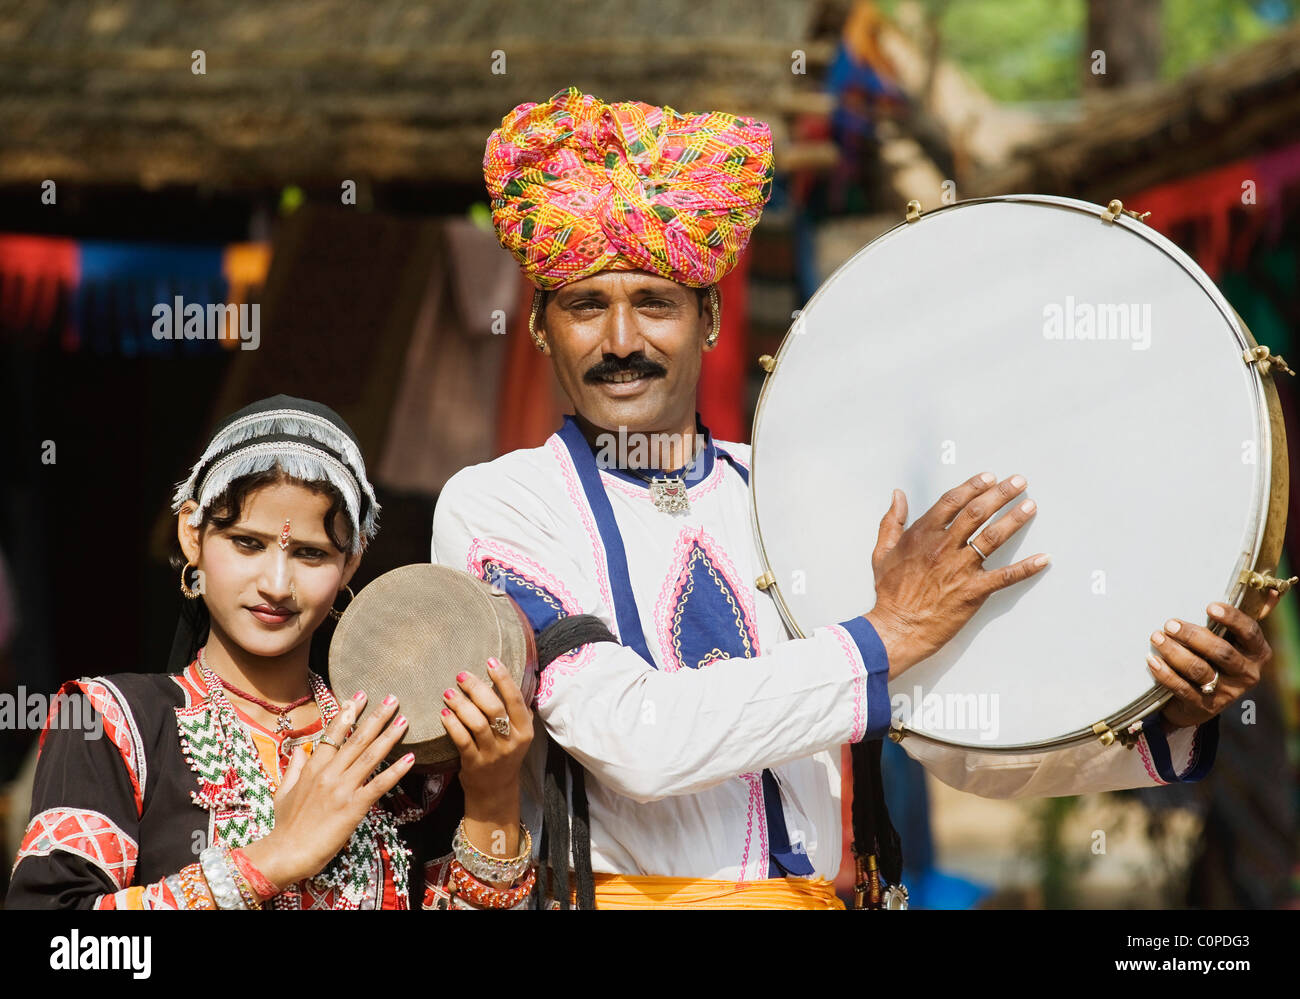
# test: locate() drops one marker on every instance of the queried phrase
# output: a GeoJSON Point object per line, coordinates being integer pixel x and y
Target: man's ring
{"type": "Point", "coordinates": [1212, 685]}
{"type": "Point", "coordinates": [501, 726]}
{"type": "Point", "coordinates": [977, 551]}
{"type": "Point", "coordinates": [325, 740]}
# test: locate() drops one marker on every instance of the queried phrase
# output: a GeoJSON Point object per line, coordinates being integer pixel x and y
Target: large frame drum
{"type": "Point", "coordinates": [1079, 347]}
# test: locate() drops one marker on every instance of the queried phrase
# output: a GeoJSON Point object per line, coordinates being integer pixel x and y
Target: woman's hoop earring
{"type": "Point", "coordinates": [186, 591]}
{"type": "Point", "coordinates": [715, 305]}
{"type": "Point", "coordinates": [336, 614]}
{"type": "Point", "coordinates": [534, 314]}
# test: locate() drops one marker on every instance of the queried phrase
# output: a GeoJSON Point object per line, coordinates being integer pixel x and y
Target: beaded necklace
{"type": "Point", "coordinates": [238, 792]}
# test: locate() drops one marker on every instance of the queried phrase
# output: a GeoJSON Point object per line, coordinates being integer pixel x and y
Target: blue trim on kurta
{"type": "Point", "coordinates": [540, 605]}
{"type": "Point", "coordinates": [782, 858]}
{"type": "Point", "coordinates": [629, 618]}
{"type": "Point", "coordinates": [1205, 744]}
{"type": "Point", "coordinates": [873, 653]}
{"type": "Point", "coordinates": [626, 614]}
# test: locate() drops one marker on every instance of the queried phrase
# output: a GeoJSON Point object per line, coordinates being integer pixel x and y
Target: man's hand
{"type": "Point", "coordinates": [1188, 655]}
{"type": "Point", "coordinates": [929, 581]}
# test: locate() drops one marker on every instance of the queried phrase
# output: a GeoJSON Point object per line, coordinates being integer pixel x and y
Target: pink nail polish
{"type": "Point", "coordinates": [408, 758]}
{"type": "Point", "coordinates": [389, 700]}
{"type": "Point", "coordinates": [494, 663]}
{"type": "Point", "coordinates": [446, 712]}
{"type": "Point", "coordinates": [360, 695]}
{"type": "Point", "coordinates": [401, 720]}
{"type": "Point", "coordinates": [462, 677]}
{"type": "Point", "coordinates": [449, 694]}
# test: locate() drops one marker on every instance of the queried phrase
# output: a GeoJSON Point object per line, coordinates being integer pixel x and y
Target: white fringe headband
{"type": "Point", "coordinates": [321, 451]}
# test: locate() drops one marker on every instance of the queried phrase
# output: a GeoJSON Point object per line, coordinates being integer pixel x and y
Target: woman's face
{"type": "Point", "coordinates": [271, 577]}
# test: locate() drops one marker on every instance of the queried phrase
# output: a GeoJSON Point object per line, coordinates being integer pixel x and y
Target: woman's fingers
{"type": "Point", "coordinates": [509, 693]}
{"type": "Point", "coordinates": [459, 735]}
{"type": "Point", "coordinates": [385, 781]}
{"type": "Point", "coordinates": [366, 733]}
{"type": "Point", "coordinates": [378, 750]}
{"type": "Point", "coordinates": [483, 695]}
{"type": "Point", "coordinates": [470, 716]}
{"type": "Point", "coordinates": [325, 754]}
{"type": "Point", "coordinates": [294, 770]}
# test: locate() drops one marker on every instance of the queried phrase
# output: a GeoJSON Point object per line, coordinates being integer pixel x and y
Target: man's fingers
{"type": "Point", "coordinates": [1017, 572]}
{"type": "Point", "coordinates": [997, 533]}
{"type": "Point", "coordinates": [1201, 642]}
{"type": "Point", "coordinates": [1167, 677]}
{"type": "Point", "coordinates": [954, 501]}
{"type": "Point", "coordinates": [1273, 597]}
{"type": "Point", "coordinates": [1186, 663]}
{"type": "Point", "coordinates": [892, 525]}
{"type": "Point", "coordinates": [983, 506]}
{"type": "Point", "coordinates": [1245, 631]}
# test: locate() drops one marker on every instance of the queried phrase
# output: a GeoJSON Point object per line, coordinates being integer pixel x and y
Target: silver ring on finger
{"type": "Point", "coordinates": [501, 726]}
{"type": "Point", "coordinates": [1211, 685]}
{"type": "Point", "coordinates": [972, 544]}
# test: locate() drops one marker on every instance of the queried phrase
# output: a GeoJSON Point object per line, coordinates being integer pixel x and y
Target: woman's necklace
{"type": "Point", "coordinates": [282, 712]}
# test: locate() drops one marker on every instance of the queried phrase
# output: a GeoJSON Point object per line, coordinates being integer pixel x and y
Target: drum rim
{"type": "Point", "coordinates": [1118, 722]}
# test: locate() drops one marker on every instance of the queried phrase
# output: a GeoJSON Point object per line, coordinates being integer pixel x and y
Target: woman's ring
{"type": "Point", "coordinates": [501, 726]}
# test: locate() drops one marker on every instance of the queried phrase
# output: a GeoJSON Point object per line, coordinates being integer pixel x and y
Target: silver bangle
{"type": "Point", "coordinates": [173, 883]}
{"type": "Point", "coordinates": [486, 868]}
{"type": "Point", "coordinates": [216, 871]}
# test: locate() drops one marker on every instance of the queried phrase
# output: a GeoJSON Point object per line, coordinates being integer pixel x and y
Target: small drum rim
{"type": "Point", "coordinates": [1269, 517]}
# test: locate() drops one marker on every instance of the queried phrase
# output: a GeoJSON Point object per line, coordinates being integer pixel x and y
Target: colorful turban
{"type": "Point", "coordinates": [579, 186]}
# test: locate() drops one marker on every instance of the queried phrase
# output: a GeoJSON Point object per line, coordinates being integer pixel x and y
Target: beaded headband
{"type": "Point", "coordinates": [304, 439]}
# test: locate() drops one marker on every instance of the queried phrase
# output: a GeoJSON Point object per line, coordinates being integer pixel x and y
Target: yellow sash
{"type": "Point", "coordinates": [625, 891]}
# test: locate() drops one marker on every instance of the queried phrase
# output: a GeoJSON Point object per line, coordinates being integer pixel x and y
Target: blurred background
{"type": "Point", "coordinates": [319, 163]}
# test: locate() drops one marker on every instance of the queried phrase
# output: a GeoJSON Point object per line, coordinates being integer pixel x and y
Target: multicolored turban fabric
{"type": "Point", "coordinates": [579, 186]}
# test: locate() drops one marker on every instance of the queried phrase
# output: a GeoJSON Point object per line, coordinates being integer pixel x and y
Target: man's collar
{"type": "Point", "coordinates": [608, 458]}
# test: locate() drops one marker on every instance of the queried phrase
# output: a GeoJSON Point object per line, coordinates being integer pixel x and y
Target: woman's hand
{"type": "Point", "coordinates": [324, 797]}
{"type": "Point", "coordinates": [489, 761]}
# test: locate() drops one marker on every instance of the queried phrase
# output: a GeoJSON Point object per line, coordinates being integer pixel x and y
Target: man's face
{"type": "Point", "coordinates": [627, 348]}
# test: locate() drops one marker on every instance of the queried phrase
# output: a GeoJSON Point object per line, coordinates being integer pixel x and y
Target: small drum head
{"type": "Point", "coordinates": [1020, 334]}
{"type": "Point", "coordinates": [411, 631]}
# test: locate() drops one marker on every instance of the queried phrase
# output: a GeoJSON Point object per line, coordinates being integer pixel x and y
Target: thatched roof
{"type": "Point", "coordinates": [1128, 140]}
{"type": "Point", "coordinates": [313, 91]}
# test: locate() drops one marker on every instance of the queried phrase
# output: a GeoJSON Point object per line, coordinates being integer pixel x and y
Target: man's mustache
{"type": "Point", "coordinates": [636, 364]}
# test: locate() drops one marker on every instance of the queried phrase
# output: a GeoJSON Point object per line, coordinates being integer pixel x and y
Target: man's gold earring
{"type": "Point", "coordinates": [533, 315]}
{"type": "Point", "coordinates": [715, 305]}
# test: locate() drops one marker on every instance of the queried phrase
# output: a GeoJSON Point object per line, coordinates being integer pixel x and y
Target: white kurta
{"type": "Point", "coordinates": [674, 753]}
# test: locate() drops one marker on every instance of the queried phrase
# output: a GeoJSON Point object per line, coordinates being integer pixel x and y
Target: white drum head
{"type": "Point", "coordinates": [1021, 335]}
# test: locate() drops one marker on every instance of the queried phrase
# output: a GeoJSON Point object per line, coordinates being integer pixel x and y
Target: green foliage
{"type": "Point", "coordinates": [1033, 50]}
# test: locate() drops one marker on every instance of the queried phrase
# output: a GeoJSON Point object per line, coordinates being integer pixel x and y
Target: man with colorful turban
{"type": "Point", "coordinates": [692, 756]}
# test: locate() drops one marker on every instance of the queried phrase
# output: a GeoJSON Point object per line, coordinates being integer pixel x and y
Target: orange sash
{"type": "Point", "coordinates": [625, 891]}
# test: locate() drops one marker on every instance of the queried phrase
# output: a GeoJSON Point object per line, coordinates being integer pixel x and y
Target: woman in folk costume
{"type": "Point", "coordinates": [236, 781]}
{"type": "Point", "coordinates": [699, 742]}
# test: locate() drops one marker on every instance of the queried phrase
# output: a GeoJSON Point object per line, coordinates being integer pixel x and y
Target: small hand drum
{"type": "Point", "coordinates": [411, 631]}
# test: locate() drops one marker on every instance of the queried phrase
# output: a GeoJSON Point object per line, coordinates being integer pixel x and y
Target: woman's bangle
{"type": "Point", "coordinates": [216, 871]}
{"type": "Point", "coordinates": [194, 888]}
{"type": "Point", "coordinates": [485, 896]}
{"type": "Point", "coordinates": [487, 868]}
{"type": "Point", "coordinates": [261, 886]}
